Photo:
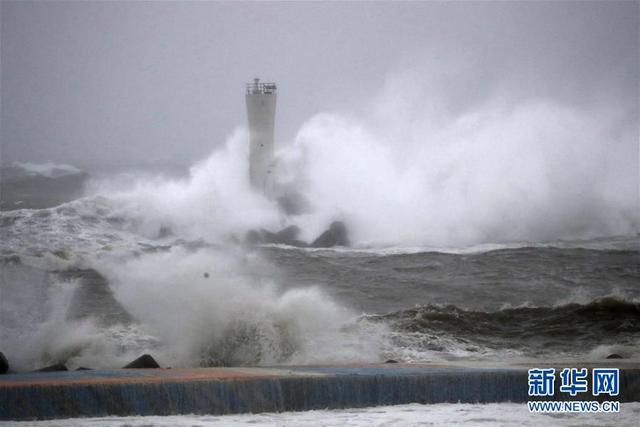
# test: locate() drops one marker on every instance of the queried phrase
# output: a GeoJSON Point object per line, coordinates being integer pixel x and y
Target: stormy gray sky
{"type": "Point", "coordinates": [131, 83]}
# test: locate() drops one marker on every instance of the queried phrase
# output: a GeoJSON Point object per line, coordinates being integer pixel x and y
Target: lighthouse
{"type": "Point", "coordinates": [261, 112]}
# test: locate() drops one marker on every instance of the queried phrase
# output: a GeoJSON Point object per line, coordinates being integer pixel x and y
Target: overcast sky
{"type": "Point", "coordinates": [124, 83]}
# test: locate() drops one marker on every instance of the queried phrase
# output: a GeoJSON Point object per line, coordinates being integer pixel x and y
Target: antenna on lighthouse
{"type": "Point", "coordinates": [261, 110]}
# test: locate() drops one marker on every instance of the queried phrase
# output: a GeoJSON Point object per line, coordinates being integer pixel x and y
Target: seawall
{"type": "Point", "coordinates": [95, 393]}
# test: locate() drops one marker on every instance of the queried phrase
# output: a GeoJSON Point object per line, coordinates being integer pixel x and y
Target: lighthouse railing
{"type": "Point", "coordinates": [261, 88]}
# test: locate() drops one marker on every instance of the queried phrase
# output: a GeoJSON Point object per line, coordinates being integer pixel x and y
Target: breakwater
{"type": "Point", "coordinates": [236, 390]}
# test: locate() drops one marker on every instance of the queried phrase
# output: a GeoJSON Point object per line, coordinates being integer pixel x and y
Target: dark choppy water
{"type": "Point", "coordinates": [479, 280]}
{"type": "Point", "coordinates": [531, 301]}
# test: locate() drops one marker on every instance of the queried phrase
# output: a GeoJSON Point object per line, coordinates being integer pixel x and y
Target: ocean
{"type": "Point", "coordinates": [149, 264]}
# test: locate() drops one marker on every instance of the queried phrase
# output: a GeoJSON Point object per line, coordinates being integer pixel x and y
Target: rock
{"type": "Point", "coordinates": [286, 236]}
{"type": "Point", "coordinates": [267, 236]}
{"type": "Point", "coordinates": [143, 362]}
{"type": "Point", "coordinates": [289, 236]}
{"type": "Point", "coordinates": [52, 368]}
{"type": "Point", "coordinates": [82, 368]}
{"type": "Point", "coordinates": [614, 356]}
{"type": "Point", "coordinates": [391, 361]}
{"type": "Point", "coordinates": [4, 364]}
{"type": "Point", "coordinates": [336, 235]}
{"type": "Point", "coordinates": [206, 275]}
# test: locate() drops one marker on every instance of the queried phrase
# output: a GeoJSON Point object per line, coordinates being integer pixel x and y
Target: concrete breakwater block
{"type": "Point", "coordinates": [236, 390]}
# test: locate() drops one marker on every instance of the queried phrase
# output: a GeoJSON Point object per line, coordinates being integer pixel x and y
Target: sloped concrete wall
{"type": "Point", "coordinates": [220, 391]}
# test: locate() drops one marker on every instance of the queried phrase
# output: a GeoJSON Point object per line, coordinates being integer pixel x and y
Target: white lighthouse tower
{"type": "Point", "coordinates": [261, 112]}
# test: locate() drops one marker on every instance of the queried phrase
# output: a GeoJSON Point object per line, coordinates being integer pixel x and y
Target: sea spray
{"type": "Point", "coordinates": [412, 172]}
{"type": "Point", "coordinates": [231, 316]}
{"type": "Point", "coordinates": [415, 169]}
{"type": "Point", "coordinates": [38, 331]}
{"type": "Point", "coordinates": [215, 202]}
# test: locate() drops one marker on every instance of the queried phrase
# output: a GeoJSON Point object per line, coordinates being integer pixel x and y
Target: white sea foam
{"type": "Point", "coordinates": [189, 307]}
{"type": "Point", "coordinates": [442, 414]}
{"type": "Point", "coordinates": [610, 243]}
{"type": "Point", "coordinates": [236, 316]}
{"type": "Point", "coordinates": [37, 330]}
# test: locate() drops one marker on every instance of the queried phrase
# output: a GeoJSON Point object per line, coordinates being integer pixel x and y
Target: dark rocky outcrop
{"type": "Point", "coordinates": [336, 235]}
{"type": "Point", "coordinates": [286, 236]}
{"type": "Point", "coordinates": [614, 356]}
{"type": "Point", "coordinates": [53, 368]}
{"type": "Point", "coordinates": [143, 362]}
{"type": "Point", "coordinates": [4, 364]}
